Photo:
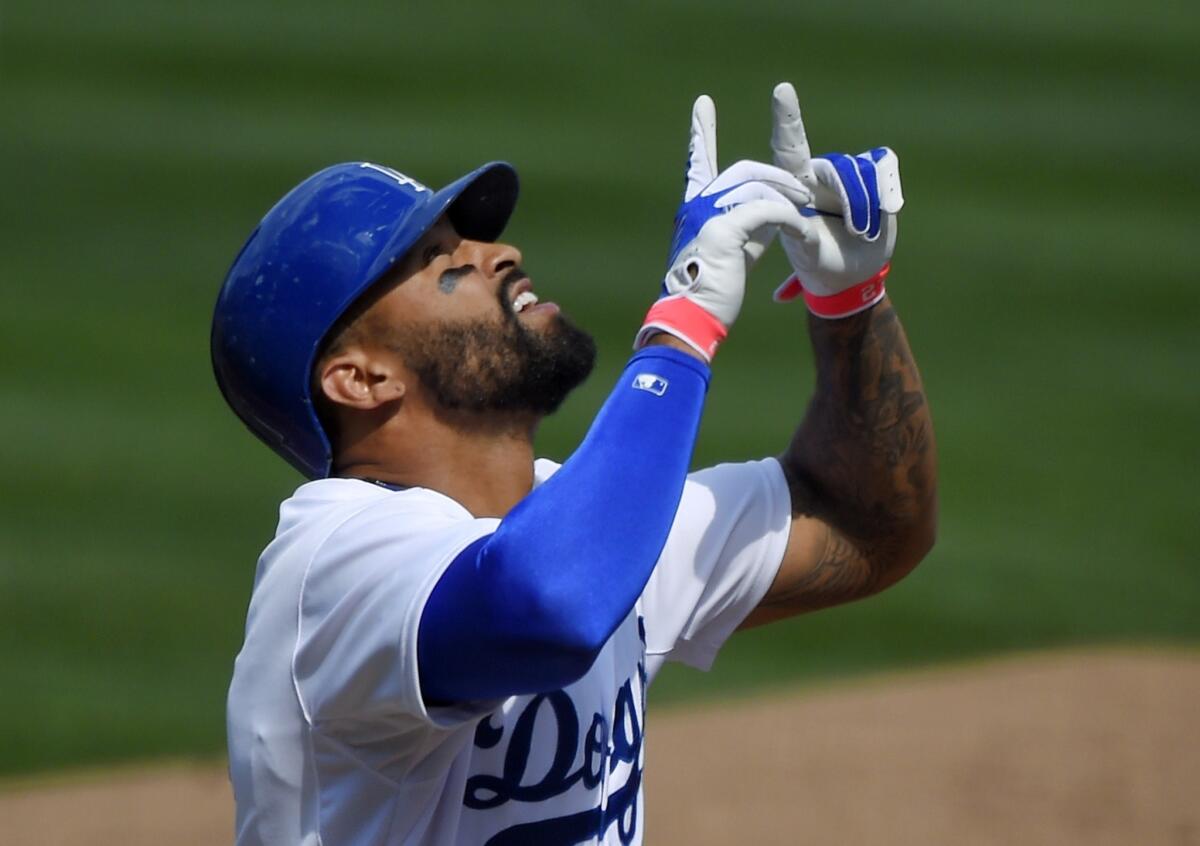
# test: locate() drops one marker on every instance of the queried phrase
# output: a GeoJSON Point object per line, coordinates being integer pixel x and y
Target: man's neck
{"type": "Point", "coordinates": [487, 470]}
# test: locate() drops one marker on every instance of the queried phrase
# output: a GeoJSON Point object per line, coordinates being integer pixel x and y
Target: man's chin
{"type": "Point", "coordinates": [567, 361]}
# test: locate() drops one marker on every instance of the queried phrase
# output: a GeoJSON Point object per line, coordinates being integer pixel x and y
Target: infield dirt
{"type": "Point", "coordinates": [1089, 748]}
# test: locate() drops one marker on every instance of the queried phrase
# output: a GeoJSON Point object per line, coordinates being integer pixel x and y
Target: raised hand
{"type": "Point", "coordinates": [842, 258]}
{"type": "Point", "coordinates": [723, 226]}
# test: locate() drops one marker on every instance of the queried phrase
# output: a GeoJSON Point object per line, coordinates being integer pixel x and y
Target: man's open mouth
{"type": "Point", "coordinates": [524, 300]}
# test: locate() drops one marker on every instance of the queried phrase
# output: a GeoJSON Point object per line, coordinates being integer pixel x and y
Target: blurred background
{"type": "Point", "coordinates": [1045, 272]}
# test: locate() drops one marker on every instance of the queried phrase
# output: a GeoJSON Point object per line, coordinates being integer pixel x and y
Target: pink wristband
{"type": "Point", "coordinates": [679, 316]}
{"type": "Point", "coordinates": [854, 299]}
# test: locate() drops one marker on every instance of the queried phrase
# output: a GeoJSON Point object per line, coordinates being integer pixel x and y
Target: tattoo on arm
{"type": "Point", "coordinates": [863, 461]}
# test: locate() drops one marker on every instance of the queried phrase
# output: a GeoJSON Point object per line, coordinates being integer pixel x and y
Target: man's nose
{"type": "Point", "coordinates": [497, 259]}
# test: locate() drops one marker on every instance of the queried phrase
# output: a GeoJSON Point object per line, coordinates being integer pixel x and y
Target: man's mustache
{"type": "Point", "coordinates": [511, 278]}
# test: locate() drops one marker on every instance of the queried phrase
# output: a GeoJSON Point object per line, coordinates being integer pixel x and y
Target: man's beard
{"type": "Point", "coordinates": [490, 366]}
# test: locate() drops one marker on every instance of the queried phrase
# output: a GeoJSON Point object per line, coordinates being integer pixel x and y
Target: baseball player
{"type": "Point", "coordinates": [450, 642]}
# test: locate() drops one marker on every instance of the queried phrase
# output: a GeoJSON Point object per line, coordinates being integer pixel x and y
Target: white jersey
{"type": "Point", "coordinates": [329, 740]}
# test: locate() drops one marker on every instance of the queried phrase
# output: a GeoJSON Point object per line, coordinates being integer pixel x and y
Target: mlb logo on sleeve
{"type": "Point", "coordinates": [651, 382]}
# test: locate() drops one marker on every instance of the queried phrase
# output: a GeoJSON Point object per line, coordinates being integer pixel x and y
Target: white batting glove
{"type": "Point", "coordinates": [842, 259]}
{"type": "Point", "coordinates": [722, 228]}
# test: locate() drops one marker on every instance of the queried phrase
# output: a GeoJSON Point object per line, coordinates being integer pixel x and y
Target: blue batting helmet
{"type": "Point", "coordinates": [317, 251]}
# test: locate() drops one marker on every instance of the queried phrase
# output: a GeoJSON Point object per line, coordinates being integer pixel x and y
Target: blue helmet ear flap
{"type": "Point", "coordinates": [316, 252]}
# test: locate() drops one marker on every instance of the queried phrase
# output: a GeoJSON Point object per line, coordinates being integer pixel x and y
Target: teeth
{"type": "Point", "coordinates": [524, 300]}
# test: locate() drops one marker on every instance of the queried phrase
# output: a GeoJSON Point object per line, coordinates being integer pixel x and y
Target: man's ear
{"type": "Point", "coordinates": [355, 379]}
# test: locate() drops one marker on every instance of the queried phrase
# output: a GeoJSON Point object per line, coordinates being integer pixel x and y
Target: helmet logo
{"type": "Point", "coordinates": [396, 175]}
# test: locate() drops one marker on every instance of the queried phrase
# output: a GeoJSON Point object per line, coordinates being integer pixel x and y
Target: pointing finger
{"type": "Point", "coordinates": [789, 143]}
{"type": "Point", "coordinates": [702, 146]}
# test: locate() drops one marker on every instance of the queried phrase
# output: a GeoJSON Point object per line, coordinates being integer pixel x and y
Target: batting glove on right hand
{"type": "Point", "coordinates": [840, 264]}
{"type": "Point", "coordinates": [722, 228]}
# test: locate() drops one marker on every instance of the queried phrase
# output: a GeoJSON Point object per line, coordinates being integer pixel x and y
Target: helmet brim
{"type": "Point", "coordinates": [478, 205]}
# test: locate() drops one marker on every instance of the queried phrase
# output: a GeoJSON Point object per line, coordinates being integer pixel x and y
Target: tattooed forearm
{"type": "Point", "coordinates": [863, 462]}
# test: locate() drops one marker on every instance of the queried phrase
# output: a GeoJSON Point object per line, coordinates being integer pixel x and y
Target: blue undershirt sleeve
{"type": "Point", "coordinates": [528, 608]}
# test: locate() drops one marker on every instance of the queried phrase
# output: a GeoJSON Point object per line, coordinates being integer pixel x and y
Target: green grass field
{"type": "Point", "coordinates": [1045, 272]}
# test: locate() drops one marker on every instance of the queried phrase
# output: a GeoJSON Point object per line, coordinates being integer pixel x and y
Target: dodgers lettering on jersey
{"type": "Point", "coordinates": [601, 754]}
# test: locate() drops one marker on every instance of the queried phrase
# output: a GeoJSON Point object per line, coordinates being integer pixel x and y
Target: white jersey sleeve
{"type": "Point", "coordinates": [722, 555]}
{"type": "Point", "coordinates": [355, 661]}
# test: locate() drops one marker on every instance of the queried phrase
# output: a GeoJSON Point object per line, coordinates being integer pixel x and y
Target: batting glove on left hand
{"type": "Point", "coordinates": [841, 264]}
{"type": "Point", "coordinates": [722, 228]}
